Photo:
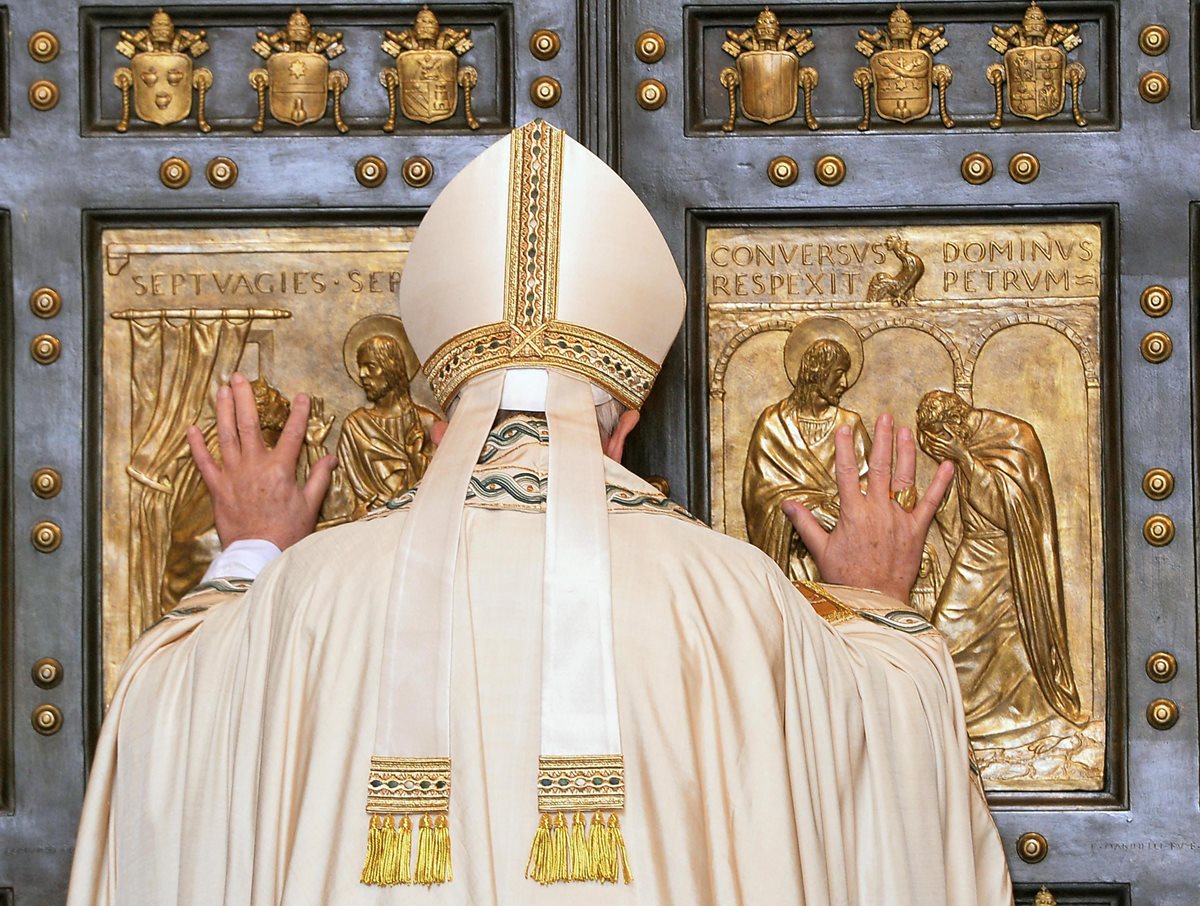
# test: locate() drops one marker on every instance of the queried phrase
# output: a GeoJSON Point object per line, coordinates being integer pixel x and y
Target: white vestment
{"type": "Point", "coordinates": [772, 756]}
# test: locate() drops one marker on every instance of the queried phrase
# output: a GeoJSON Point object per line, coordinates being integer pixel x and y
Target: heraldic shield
{"type": "Point", "coordinates": [770, 80]}
{"type": "Point", "coordinates": [162, 86]}
{"type": "Point", "coordinates": [1036, 77]}
{"type": "Point", "coordinates": [903, 84]}
{"type": "Point", "coordinates": [299, 86]}
{"type": "Point", "coordinates": [428, 90]}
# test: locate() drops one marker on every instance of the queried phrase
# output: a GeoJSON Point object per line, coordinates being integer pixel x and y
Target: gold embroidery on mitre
{"type": "Point", "coordinates": [531, 333]}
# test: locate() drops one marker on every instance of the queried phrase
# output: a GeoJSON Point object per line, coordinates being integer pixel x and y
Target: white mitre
{"type": "Point", "coordinates": [537, 281]}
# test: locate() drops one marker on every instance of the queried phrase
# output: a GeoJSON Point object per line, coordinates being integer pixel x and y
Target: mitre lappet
{"type": "Point", "coordinates": [536, 282]}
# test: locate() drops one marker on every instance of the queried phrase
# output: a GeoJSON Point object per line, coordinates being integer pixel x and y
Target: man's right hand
{"type": "Point", "coordinates": [254, 490]}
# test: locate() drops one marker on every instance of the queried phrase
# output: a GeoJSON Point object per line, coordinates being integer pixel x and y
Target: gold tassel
{"type": "Point", "coordinates": [618, 844]}
{"type": "Point", "coordinates": [404, 851]}
{"type": "Point", "coordinates": [560, 849]}
{"type": "Point", "coordinates": [389, 865]}
{"type": "Point", "coordinates": [372, 872]}
{"type": "Point", "coordinates": [600, 843]}
{"type": "Point", "coordinates": [443, 870]}
{"type": "Point", "coordinates": [537, 867]}
{"type": "Point", "coordinates": [581, 863]}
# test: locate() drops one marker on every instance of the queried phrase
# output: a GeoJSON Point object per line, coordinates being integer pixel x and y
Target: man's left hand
{"type": "Point", "coordinates": [254, 490]}
{"type": "Point", "coordinates": [876, 544]}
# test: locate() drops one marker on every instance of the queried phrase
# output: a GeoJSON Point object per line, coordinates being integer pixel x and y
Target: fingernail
{"type": "Point", "coordinates": [301, 398]}
{"type": "Point", "coordinates": [237, 378]}
{"type": "Point", "coordinates": [887, 419]}
{"type": "Point", "coordinates": [844, 430]}
{"type": "Point", "coordinates": [905, 434]}
{"type": "Point", "coordinates": [222, 392]}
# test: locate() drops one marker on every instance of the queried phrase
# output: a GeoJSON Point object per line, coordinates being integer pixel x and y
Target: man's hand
{"type": "Point", "coordinates": [875, 544]}
{"type": "Point", "coordinates": [945, 446]}
{"type": "Point", "coordinates": [254, 490]}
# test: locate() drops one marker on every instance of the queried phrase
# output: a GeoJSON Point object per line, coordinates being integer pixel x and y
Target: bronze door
{"type": "Point", "coordinates": [237, 188]}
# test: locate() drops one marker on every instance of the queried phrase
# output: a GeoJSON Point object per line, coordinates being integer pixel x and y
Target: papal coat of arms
{"type": "Point", "coordinates": [1036, 68]}
{"type": "Point", "coordinates": [298, 76]}
{"type": "Point", "coordinates": [902, 71]}
{"type": "Point", "coordinates": [160, 74]}
{"type": "Point", "coordinates": [768, 71]}
{"type": "Point", "coordinates": [427, 73]}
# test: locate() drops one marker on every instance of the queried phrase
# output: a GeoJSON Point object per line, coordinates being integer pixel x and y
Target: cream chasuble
{"type": "Point", "coordinates": [776, 751]}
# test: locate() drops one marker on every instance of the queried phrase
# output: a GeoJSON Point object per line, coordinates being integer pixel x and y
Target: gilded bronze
{"type": "Point", "coordinates": [958, 309]}
{"type": "Point", "coordinates": [43, 46]}
{"type": "Point", "coordinates": [417, 171]}
{"type": "Point", "coordinates": [1162, 666]}
{"type": "Point", "coordinates": [175, 172]}
{"type": "Point", "coordinates": [1158, 484]}
{"type": "Point", "coordinates": [1156, 300]}
{"type": "Point", "coordinates": [546, 91]}
{"type": "Point", "coordinates": [46, 483]}
{"type": "Point", "coordinates": [545, 44]}
{"type": "Point", "coordinates": [830, 170]}
{"type": "Point", "coordinates": [45, 348]}
{"type": "Point", "coordinates": [370, 171]}
{"type": "Point", "coordinates": [902, 71]}
{"type": "Point", "coordinates": [47, 673]}
{"type": "Point", "coordinates": [1162, 713]}
{"type": "Point", "coordinates": [298, 77]}
{"type": "Point", "coordinates": [1024, 167]}
{"type": "Point", "coordinates": [1035, 68]}
{"type": "Point", "coordinates": [46, 537]}
{"type": "Point", "coordinates": [783, 170]}
{"type": "Point", "coordinates": [1032, 847]}
{"type": "Point", "coordinates": [650, 47]}
{"type": "Point", "coordinates": [183, 309]}
{"type": "Point", "coordinates": [1156, 347]}
{"type": "Point", "coordinates": [1158, 530]}
{"type": "Point", "coordinates": [46, 719]}
{"type": "Point", "coordinates": [1153, 87]}
{"type": "Point", "coordinates": [43, 95]}
{"type": "Point", "coordinates": [1153, 40]}
{"type": "Point", "coordinates": [221, 172]}
{"type": "Point", "coordinates": [1045, 898]}
{"type": "Point", "coordinates": [161, 76]}
{"type": "Point", "coordinates": [768, 72]}
{"type": "Point", "coordinates": [45, 302]}
{"type": "Point", "coordinates": [976, 168]}
{"type": "Point", "coordinates": [651, 94]}
{"type": "Point", "coordinates": [427, 74]}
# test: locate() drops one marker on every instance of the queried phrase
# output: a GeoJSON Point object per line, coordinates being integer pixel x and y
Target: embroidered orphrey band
{"type": "Point", "coordinates": [407, 786]}
{"type": "Point", "coordinates": [576, 783]}
{"type": "Point", "coordinates": [828, 608]}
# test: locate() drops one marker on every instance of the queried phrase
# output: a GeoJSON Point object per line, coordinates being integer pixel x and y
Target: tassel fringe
{"type": "Point", "coordinates": [390, 852]}
{"type": "Point", "coordinates": [594, 852]}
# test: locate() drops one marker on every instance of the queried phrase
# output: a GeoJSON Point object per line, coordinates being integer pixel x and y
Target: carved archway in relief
{"type": "Point", "coordinates": [716, 381]}
{"type": "Point", "coordinates": [1091, 374]}
{"type": "Point", "coordinates": [925, 327]}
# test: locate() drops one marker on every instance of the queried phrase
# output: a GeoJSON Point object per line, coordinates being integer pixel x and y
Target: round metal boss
{"type": "Point", "coordinates": [1162, 713]}
{"type": "Point", "coordinates": [175, 172]}
{"type": "Point", "coordinates": [977, 168]}
{"type": "Point", "coordinates": [370, 171]}
{"type": "Point", "coordinates": [545, 91]}
{"type": "Point", "coordinates": [1156, 300]}
{"type": "Point", "coordinates": [830, 170]}
{"type": "Point", "coordinates": [783, 170]}
{"type": "Point", "coordinates": [1154, 87]}
{"type": "Point", "coordinates": [47, 673]}
{"type": "Point", "coordinates": [46, 719]}
{"type": "Point", "coordinates": [45, 348]}
{"type": "Point", "coordinates": [1154, 40]}
{"type": "Point", "coordinates": [417, 171]}
{"type": "Point", "coordinates": [43, 46]}
{"type": "Point", "coordinates": [46, 483]}
{"type": "Point", "coordinates": [1032, 847]}
{"type": "Point", "coordinates": [45, 302]}
{"type": "Point", "coordinates": [1156, 347]}
{"type": "Point", "coordinates": [545, 44]}
{"type": "Point", "coordinates": [1162, 666]}
{"type": "Point", "coordinates": [43, 95]}
{"type": "Point", "coordinates": [650, 47]}
{"type": "Point", "coordinates": [1024, 167]}
{"type": "Point", "coordinates": [1158, 530]}
{"type": "Point", "coordinates": [651, 94]}
{"type": "Point", "coordinates": [46, 537]}
{"type": "Point", "coordinates": [221, 172]}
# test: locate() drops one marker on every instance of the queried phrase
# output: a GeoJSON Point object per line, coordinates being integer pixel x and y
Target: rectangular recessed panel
{"type": "Point", "coordinates": [7, 603]}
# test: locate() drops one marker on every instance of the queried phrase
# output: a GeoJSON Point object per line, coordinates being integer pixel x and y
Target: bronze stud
{"type": "Point", "coordinates": [783, 170]}
{"type": "Point", "coordinates": [545, 91]}
{"type": "Point", "coordinates": [43, 95]}
{"type": "Point", "coordinates": [1156, 300]}
{"type": "Point", "coordinates": [46, 537]}
{"type": "Point", "coordinates": [650, 47]}
{"type": "Point", "coordinates": [370, 171]}
{"type": "Point", "coordinates": [1156, 347]}
{"type": "Point", "coordinates": [977, 168]}
{"type": "Point", "coordinates": [45, 348]}
{"type": "Point", "coordinates": [545, 44]}
{"type": "Point", "coordinates": [651, 94]}
{"type": "Point", "coordinates": [1158, 484]}
{"type": "Point", "coordinates": [417, 171]}
{"type": "Point", "coordinates": [1024, 167]}
{"type": "Point", "coordinates": [221, 172]}
{"type": "Point", "coordinates": [1158, 530]}
{"type": "Point", "coordinates": [830, 170]}
{"type": "Point", "coordinates": [1032, 847]}
{"type": "Point", "coordinates": [43, 46]}
{"type": "Point", "coordinates": [1154, 87]}
{"type": "Point", "coordinates": [47, 673]}
{"type": "Point", "coordinates": [175, 172]}
{"type": "Point", "coordinates": [45, 302]}
{"type": "Point", "coordinates": [46, 483]}
{"type": "Point", "coordinates": [1162, 713]}
{"type": "Point", "coordinates": [1154, 40]}
{"type": "Point", "coordinates": [1162, 666]}
{"type": "Point", "coordinates": [46, 719]}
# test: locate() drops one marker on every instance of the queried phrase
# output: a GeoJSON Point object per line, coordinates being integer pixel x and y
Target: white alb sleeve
{"type": "Point", "coordinates": [242, 560]}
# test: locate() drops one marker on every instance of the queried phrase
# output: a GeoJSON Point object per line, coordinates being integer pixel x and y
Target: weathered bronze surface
{"type": "Point", "coordinates": [427, 74]}
{"type": "Point", "coordinates": [1032, 847]}
{"type": "Point", "coordinates": [1035, 68]}
{"type": "Point", "coordinates": [298, 77]}
{"type": "Point", "coordinates": [977, 168]}
{"type": "Point", "coordinates": [160, 74]}
{"type": "Point", "coordinates": [811, 328]}
{"type": "Point", "coordinates": [902, 70]}
{"type": "Point", "coordinates": [768, 72]}
{"type": "Point", "coordinates": [43, 46]}
{"type": "Point", "coordinates": [293, 309]}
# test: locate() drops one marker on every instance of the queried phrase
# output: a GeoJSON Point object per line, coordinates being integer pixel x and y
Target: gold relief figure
{"type": "Point", "coordinates": [1036, 68]}
{"type": "Point", "coordinates": [298, 77]}
{"type": "Point", "coordinates": [1002, 606]}
{"type": "Point", "coordinates": [899, 288]}
{"type": "Point", "coordinates": [384, 447]}
{"type": "Point", "coordinates": [427, 73]}
{"type": "Point", "coordinates": [902, 71]}
{"type": "Point", "coordinates": [791, 450]}
{"type": "Point", "coordinates": [160, 74]}
{"type": "Point", "coordinates": [768, 71]}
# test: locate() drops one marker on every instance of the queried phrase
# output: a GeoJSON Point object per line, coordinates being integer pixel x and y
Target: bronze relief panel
{"type": "Point", "coordinates": [986, 339]}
